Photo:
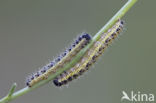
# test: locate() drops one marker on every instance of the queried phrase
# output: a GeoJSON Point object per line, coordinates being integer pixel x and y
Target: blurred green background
{"type": "Point", "coordinates": [32, 32]}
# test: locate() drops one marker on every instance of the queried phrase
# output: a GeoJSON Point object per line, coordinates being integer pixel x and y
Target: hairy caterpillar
{"type": "Point", "coordinates": [91, 55]}
{"type": "Point", "coordinates": [60, 61]}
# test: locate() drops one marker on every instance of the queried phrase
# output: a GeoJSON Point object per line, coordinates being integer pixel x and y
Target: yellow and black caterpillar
{"type": "Point", "coordinates": [59, 62]}
{"type": "Point", "coordinates": [90, 56]}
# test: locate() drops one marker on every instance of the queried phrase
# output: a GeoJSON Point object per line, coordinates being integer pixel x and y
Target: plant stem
{"type": "Point", "coordinates": [13, 87]}
{"type": "Point", "coordinates": [112, 21]}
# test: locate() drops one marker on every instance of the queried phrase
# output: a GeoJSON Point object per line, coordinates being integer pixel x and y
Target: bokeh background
{"type": "Point", "coordinates": [32, 32]}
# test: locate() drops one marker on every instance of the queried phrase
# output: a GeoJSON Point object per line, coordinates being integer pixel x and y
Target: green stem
{"type": "Point", "coordinates": [112, 21]}
{"type": "Point", "coordinates": [13, 87]}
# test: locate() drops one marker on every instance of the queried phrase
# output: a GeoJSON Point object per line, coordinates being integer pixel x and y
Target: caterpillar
{"type": "Point", "coordinates": [60, 61]}
{"type": "Point", "coordinates": [90, 56]}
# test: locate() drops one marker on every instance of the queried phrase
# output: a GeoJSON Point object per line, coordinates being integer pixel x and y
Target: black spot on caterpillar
{"type": "Point", "coordinates": [60, 61]}
{"type": "Point", "coordinates": [91, 55]}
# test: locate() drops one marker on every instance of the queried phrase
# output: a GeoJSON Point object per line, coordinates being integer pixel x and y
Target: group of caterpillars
{"type": "Point", "coordinates": [85, 62]}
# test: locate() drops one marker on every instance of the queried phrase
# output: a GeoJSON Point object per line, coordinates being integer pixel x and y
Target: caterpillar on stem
{"type": "Point", "coordinates": [119, 14]}
{"type": "Point", "coordinates": [60, 61]}
{"type": "Point", "coordinates": [90, 56]}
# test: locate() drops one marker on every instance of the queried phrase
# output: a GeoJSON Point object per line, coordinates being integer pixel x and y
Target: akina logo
{"type": "Point", "coordinates": [137, 96]}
